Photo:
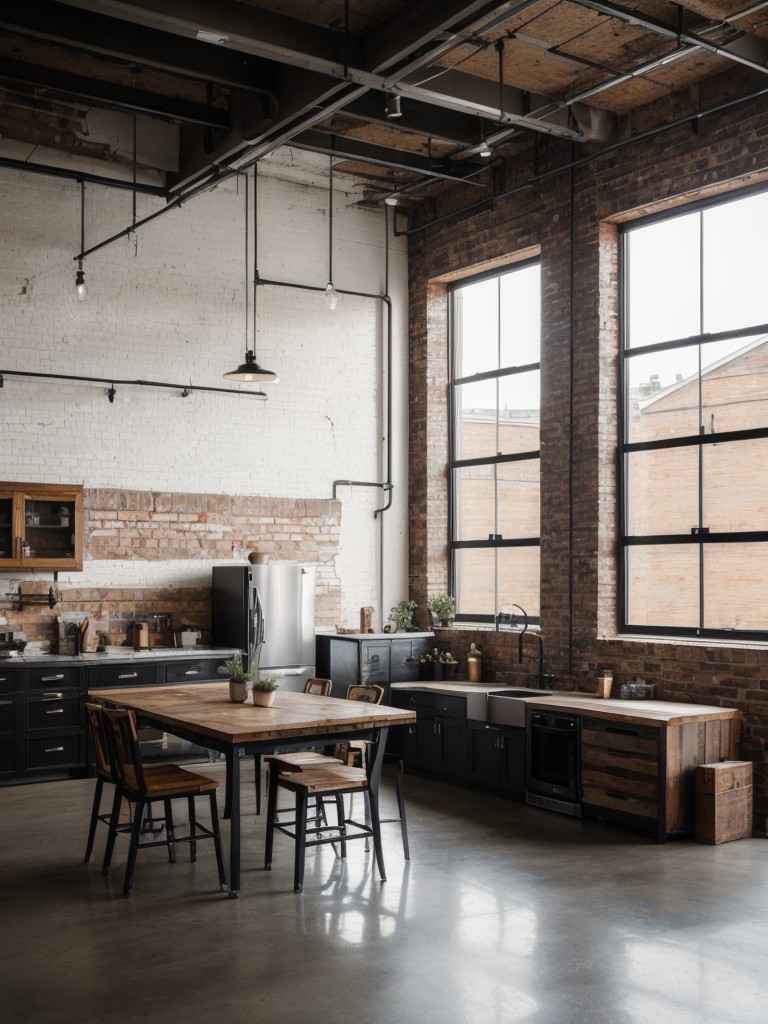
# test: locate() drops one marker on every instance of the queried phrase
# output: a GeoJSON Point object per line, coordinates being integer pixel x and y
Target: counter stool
{"type": "Point", "coordinates": [322, 782]}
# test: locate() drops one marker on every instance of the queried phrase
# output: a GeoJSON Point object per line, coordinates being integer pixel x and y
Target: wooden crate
{"type": "Point", "coordinates": [723, 801]}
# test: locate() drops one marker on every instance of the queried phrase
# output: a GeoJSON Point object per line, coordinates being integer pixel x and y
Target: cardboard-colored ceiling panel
{"type": "Point", "coordinates": [364, 15]}
{"type": "Point", "coordinates": [383, 135]}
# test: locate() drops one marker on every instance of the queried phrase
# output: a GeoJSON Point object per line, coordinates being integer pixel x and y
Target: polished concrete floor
{"type": "Point", "coordinates": [504, 914]}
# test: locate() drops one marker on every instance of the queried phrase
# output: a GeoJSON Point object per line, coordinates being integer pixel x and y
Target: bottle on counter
{"type": "Point", "coordinates": [474, 665]}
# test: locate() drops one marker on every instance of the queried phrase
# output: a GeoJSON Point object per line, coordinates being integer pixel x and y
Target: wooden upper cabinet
{"type": "Point", "coordinates": [41, 526]}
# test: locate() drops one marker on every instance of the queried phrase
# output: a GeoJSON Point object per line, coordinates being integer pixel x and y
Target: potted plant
{"type": "Point", "coordinates": [263, 692]}
{"type": "Point", "coordinates": [441, 608]}
{"type": "Point", "coordinates": [239, 680]}
{"type": "Point", "coordinates": [402, 616]}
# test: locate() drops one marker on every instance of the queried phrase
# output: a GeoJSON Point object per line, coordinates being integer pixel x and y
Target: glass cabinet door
{"type": "Point", "coordinates": [49, 528]}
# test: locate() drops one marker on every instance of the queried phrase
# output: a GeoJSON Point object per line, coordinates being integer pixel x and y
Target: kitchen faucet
{"type": "Point", "coordinates": [539, 640]}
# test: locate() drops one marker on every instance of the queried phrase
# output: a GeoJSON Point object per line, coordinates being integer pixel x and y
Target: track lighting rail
{"type": "Point", "coordinates": [114, 382]}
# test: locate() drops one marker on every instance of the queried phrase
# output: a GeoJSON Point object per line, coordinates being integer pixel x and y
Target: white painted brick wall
{"type": "Point", "coordinates": [168, 304]}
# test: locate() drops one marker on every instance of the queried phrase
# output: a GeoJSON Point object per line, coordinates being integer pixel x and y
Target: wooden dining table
{"type": "Point", "coordinates": [204, 715]}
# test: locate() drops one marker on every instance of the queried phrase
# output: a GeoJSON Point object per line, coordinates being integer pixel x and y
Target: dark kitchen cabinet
{"type": "Point", "coordinates": [41, 526]}
{"type": "Point", "coordinates": [496, 757]}
{"type": "Point", "coordinates": [11, 721]}
{"type": "Point", "coordinates": [379, 658]}
{"type": "Point", "coordinates": [55, 725]}
{"type": "Point", "coordinates": [438, 740]}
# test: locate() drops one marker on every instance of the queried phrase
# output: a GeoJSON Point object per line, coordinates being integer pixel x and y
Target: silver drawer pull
{"type": "Point", "coordinates": [192, 672]}
{"type": "Point", "coordinates": [53, 750]}
{"type": "Point", "coordinates": [52, 679]}
{"type": "Point", "coordinates": [4, 679]}
{"type": "Point", "coordinates": [53, 696]}
{"type": "Point", "coordinates": [55, 711]}
{"type": "Point", "coordinates": [127, 675]}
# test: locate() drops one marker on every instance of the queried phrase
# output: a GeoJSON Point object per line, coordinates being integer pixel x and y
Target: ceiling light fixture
{"type": "Point", "coordinates": [392, 107]}
{"type": "Point", "coordinates": [250, 371]}
{"type": "Point", "coordinates": [80, 288]}
{"type": "Point", "coordinates": [331, 295]}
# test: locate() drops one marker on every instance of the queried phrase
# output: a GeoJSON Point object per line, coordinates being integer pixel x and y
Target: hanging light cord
{"type": "Point", "coordinates": [247, 218]}
{"type": "Point", "coordinates": [330, 222]}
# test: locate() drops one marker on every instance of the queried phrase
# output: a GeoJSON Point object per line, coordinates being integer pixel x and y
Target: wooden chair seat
{"type": "Point", "coordinates": [325, 779]}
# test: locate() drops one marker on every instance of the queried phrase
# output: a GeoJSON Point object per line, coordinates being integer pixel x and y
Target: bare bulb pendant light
{"type": "Point", "coordinates": [250, 371]}
{"type": "Point", "coordinates": [80, 288]}
{"type": "Point", "coordinates": [331, 296]}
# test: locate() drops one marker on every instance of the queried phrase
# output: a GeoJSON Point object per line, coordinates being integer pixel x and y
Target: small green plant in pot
{"type": "Point", "coordinates": [402, 616]}
{"type": "Point", "coordinates": [263, 692]}
{"type": "Point", "coordinates": [240, 681]}
{"type": "Point", "coordinates": [441, 608]}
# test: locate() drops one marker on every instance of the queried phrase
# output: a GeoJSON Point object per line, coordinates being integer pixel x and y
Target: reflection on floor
{"type": "Point", "coordinates": [505, 914]}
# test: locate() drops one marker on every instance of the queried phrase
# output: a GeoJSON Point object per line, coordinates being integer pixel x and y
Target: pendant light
{"type": "Point", "coordinates": [80, 288]}
{"type": "Point", "coordinates": [250, 371]}
{"type": "Point", "coordinates": [331, 295]}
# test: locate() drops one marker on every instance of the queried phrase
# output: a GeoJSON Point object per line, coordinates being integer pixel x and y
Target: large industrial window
{"type": "Point", "coordinates": [494, 449]}
{"type": "Point", "coordinates": [694, 445]}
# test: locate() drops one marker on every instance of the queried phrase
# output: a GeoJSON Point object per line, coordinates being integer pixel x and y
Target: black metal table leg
{"type": "Point", "coordinates": [233, 801]}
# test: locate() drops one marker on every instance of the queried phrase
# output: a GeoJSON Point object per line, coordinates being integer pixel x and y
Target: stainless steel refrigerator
{"type": "Point", "coordinates": [274, 603]}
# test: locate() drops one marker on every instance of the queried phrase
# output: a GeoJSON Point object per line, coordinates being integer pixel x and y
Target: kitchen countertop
{"type": "Point", "coordinates": [639, 712]}
{"type": "Point", "coordinates": [121, 654]}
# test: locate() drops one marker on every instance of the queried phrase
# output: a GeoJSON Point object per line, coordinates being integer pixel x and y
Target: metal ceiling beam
{"type": "Point", "coordinates": [366, 152]}
{"type": "Point", "coordinates": [438, 123]}
{"type": "Point", "coordinates": [15, 74]}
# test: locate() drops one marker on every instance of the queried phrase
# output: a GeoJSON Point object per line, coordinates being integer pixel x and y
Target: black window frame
{"type": "Point", "coordinates": [699, 536]}
{"type": "Point", "coordinates": [494, 541]}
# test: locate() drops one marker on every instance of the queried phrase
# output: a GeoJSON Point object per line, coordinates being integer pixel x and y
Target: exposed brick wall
{"type": "Point", "coordinates": [572, 216]}
{"type": "Point", "coordinates": [123, 527]}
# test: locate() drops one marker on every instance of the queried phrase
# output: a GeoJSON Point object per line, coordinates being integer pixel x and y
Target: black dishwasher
{"type": "Point", "coordinates": [552, 762]}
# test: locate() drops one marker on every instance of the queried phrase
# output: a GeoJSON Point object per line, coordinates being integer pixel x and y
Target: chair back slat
{"type": "Point", "coordinates": [366, 692]}
{"type": "Point", "coordinates": [322, 687]}
{"type": "Point", "coordinates": [98, 739]}
{"type": "Point", "coordinates": [124, 751]}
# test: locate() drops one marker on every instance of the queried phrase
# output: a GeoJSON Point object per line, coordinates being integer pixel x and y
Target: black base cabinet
{"type": "Point", "coordinates": [496, 757]}
{"type": "Point", "coordinates": [362, 658]}
{"type": "Point", "coordinates": [11, 721]}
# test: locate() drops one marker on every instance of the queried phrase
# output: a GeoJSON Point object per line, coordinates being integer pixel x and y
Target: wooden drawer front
{"type": "Point", "coordinates": [199, 671]}
{"type": "Point", "coordinates": [617, 797]}
{"type": "Point", "coordinates": [53, 712]}
{"type": "Point", "coordinates": [55, 752]}
{"type": "Point", "coordinates": [125, 674]}
{"type": "Point", "coordinates": [450, 707]}
{"type": "Point", "coordinates": [11, 680]}
{"type": "Point", "coordinates": [55, 677]}
{"type": "Point", "coordinates": [620, 768]}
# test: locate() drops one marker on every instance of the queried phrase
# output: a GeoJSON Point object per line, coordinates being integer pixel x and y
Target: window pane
{"type": "Point", "coordinates": [475, 502]}
{"type": "Point", "coordinates": [520, 316]}
{"type": "Point", "coordinates": [734, 264]}
{"type": "Point", "coordinates": [663, 281]}
{"type": "Point", "coordinates": [734, 385]}
{"type": "Point", "coordinates": [475, 410]}
{"type": "Point", "coordinates": [663, 585]}
{"type": "Point", "coordinates": [735, 486]}
{"type": "Point", "coordinates": [518, 496]}
{"type": "Point", "coordinates": [519, 582]}
{"type": "Point", "coordinates": [663, 395]}
{"type": "Point", "coordinates": [476, 312]}
{"type": "Point", "coordinates": [736, 586]}
{"type": "Point", "coordinates": [475, 581]}
{"type": "Point", "coordinates": [519, 413]}
{"type": "Point", "coordinates": [662, 491]}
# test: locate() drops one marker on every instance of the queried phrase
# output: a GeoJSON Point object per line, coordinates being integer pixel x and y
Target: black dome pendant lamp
{"type": "Point", "coordinates": [250, 371]}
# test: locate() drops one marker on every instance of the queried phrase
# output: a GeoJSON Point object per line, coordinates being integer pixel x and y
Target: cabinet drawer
{"type": "Point", "coordinates": [603, 794]}
{"type": "Point", "coordinates": [52, 712]}
{"type": "Point", "coordinates": [11, 680]}
{"type": "Point", "coordinates": [201, 670]}
{"type": "Point", "coordinates": [125, 674]}
{"type": "Point", "coordinates": [55, 677]}
{"type": "Point", "coordinates": [450, 707]}
{"type": "Point", "coordinates": [55, 752]}
{"type": "Point", "coordinates": [413, 699]}
{"type": "Point", "coordinates": [10, 751]}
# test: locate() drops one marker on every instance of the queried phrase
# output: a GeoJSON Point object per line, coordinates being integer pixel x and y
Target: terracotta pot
{"type": "Point", "coordinates": [263, 698]}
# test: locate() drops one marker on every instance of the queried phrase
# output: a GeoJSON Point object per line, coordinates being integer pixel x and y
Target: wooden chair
{"type": "Point", "coordinates": [323, 781]}
{"type": "Point", "coordinates": [104, 773]}
{"type": "Point", "coordinates": [140, 787]}
{"type": "Point", "coordinates": [320, 687]}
